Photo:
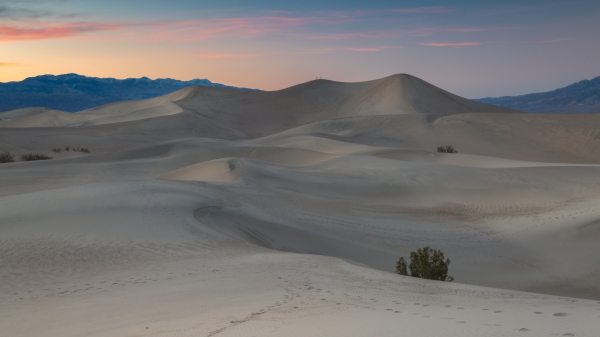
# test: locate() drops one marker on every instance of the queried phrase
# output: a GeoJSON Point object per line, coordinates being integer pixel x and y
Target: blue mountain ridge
{"type": "Point", "coordinates": [579, 97]}
{"type": "Point", "coordinates": [73, 92]}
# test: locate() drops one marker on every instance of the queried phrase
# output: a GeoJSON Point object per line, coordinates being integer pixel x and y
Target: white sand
{"type": "Point", "coordinates": [215, 212]}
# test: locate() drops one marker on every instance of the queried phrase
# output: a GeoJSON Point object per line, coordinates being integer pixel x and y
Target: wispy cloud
{"type": "Point", "coordinates": [548, 41]}
{"type": "Point", "coordinates": [364, 13]}
{"type": "Point", "coordinates": [429, 10]}
{"type": "Point", "coordinates": [357, 49]}
{"type": "Point", "coordinates": [42, 31]}
{"type": "Point", "coordinates": [311, 51]}
{"type": "Point", "coordinates": [11, 12]}
{"type": "Point", "coordinates": [511, 9]}
{"type": "Point", "coordinates": [478, 29]}
{"type": "Point", "coordinates": [283, 24]}
{"type": "Point", "coordinates": [228, 55]}
{"type": "Point", "coordinates": [9, 64]}
{"type": "Point", "coordinates": [450, 44]}
{"type": "Point", "coordinates": [372, 34]}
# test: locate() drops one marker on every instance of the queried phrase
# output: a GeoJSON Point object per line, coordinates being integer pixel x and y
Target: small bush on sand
{"type": "Point", "coordinates": [75, 149]}
{"type": "Point", "coordinates": [6, 157]}
{"type": "Point", "coordinates": [56, 149]}
{"type": "Point", "coordinates": [81, 149]}
{"type": "Point", "coordinates": [425, 263]}
{"type": "Point", "coordinates": [446, 149]}
{"type": "Point", "coordinates": [34, 156]}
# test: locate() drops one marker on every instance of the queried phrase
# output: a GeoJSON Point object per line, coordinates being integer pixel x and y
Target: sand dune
{"type": "Point", "coordinates": [268, 112]}
{"type": "Point", "coordinates": [107, 114]}
{"type": "Point", "coordinates": [212, 212]}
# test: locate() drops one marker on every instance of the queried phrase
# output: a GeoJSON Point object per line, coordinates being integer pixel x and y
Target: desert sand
{"type": "Point", "coordinates": [214, 212]}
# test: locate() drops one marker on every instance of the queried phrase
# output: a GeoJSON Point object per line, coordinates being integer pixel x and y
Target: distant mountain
{"type": "Point", "coordinates": [580, 97]}
{"type": "Point", "coordinates": [72, 92]}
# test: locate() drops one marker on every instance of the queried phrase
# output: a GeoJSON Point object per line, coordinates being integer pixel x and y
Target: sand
{"type": "Point", "coordinates": [213, 212]}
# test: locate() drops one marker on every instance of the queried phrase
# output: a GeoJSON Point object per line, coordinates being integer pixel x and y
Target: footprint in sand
{"type": "Point", "coordinates": [560, 314]}
{"type": "Point", "coordinates": [524, 329]}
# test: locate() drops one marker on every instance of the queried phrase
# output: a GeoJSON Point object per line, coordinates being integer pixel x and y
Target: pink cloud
{"type": "Point", "coordinates": [198, 30]}
{"type": "Point", "coordinates": [42, 31]}
{"type": "Point", "coordinates": [451, 44]}
{"type": "Point", "coordinates": [276, 23]}
{"type": "Point", "coordinates": [313, 51]}
{"type": "Point", "coordinates": [352, 49]}
{"type": "Point", "coordinates": [478, 29]}
{"type": "Point", "coordinates": [375, 34]}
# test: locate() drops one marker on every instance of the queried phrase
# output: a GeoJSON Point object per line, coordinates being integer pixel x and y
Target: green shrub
{"type": "Point", "coordinates": [446, 149]}
{"type": "Point", "coordinates": [425, 263]}
{"type": "Point", "coordinates": [34, 156]}
{"type": "Point", "coordinates": [6, 157]}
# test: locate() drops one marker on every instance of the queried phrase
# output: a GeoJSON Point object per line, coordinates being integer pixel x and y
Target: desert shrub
{"type": "Point", "coordinates": [80, 149]}
{"type": "Point", "coordinates": [446, 149]}
{"type": "Point", "coordinates": [66, 148]}
{"type": "Point", "coordinates": [56, 149]}
{"type": "Point", "coordinates": [425, 263]}
{"type": "Point", "coordinates": [6, 157]}
{"type": "Point", "coordinates": [34, 156]}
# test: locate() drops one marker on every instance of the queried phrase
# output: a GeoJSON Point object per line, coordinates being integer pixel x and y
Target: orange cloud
{"type": "Point", "coordinates": [8, 64]}
{"type": "Point", "coordinates": [451, 44]}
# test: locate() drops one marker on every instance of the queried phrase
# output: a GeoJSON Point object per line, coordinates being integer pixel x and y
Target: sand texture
{"type": "Point", "coordinates": [215, 212]}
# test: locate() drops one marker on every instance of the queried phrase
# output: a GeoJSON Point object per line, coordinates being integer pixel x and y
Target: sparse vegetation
{"type": "Point", "coordinates": [56, 149]}
{"type": "Point", "coordinates": [446, 149]}
{"type": "Point", "coordinates": [425, 263]}
{"type": "Point", "coordinates": [34, 156]}
{"type": "Point", "coordinates": [81, 149]}
{"type": "Point", "coordinates": [76, 149]}
{"type": "Point", "coordinates": [6, 157]}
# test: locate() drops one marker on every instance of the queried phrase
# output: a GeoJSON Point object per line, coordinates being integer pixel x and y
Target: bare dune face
{"type": "Point", "coordinates": [215, 212]}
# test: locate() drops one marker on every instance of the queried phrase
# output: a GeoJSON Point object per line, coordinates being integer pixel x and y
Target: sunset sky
{"type": "Point", "coordinates": [472, 48]}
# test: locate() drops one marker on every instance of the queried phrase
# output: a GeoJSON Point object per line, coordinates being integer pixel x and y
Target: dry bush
{"type": "Point", "coordinates": [34, 156]}
{"type": "Point", "coordinates": [81, 149]}
{"type": "Point", "coordinates": [446, 149]}
{"type": "Point", "coordinates": [6, 157]}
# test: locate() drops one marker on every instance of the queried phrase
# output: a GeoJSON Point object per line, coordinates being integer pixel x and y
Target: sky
{"type": "Point", "coordinates": [471, 48]}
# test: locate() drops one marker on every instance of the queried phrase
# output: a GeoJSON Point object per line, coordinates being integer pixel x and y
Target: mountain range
{"type": "Point", "coordinates": [73, 92]}
{"type": "Point", "coordinates": [580, 97]}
